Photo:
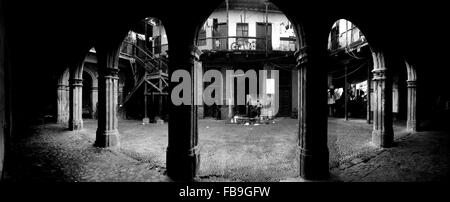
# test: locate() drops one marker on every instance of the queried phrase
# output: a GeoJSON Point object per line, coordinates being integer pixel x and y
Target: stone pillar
{"type": "Point", "coordinates": [67, 103]}
{"type": "Point", "coordinates": [183, 156]}
{"type": "Point", "coordinates": [312, 113]}
{"type": "Point", "coordinates": [411, 120]}
{"type": "Point", "coordinates": [94, 100]}
{"type": "Point", "coordinates": [107, 132]}
{"type": "Point", "coordinates": [75, 107]}
{"type": "Point", "coordinates": [229, 99]}
{"type": "Point", "coordinates": [411, 123]}
{"type": "Point", "coordinates": [198, 77]}
{"type": "Point", "coordinates": [227, 107]}
{"type": "Point", "coordinates": [382, 134]}
{"type": "Point", "coordinates": [61, 103]}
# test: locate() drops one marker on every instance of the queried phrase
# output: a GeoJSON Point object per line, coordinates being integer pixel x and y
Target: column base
{"type": "Point", "coordinates": [145, 121]}
{"type": "Point", "coordinates": [200, 112]}
{"type": "Point", "coordinates": [224, 112]}
{"type": "Point", "coordinates": [76, 125]}
{"type": "Point", "coordinates": [314, 167]}
{"type": "Point", "coordinates": [182, 165]}
{"type": "Point", "coordinates": [382, 139]}
{"type": "Point", "coordinates": [107, 138]}
{"type": "Point", "coordinates": [411, 126]}
{"type": "Point", "coordinates": [61, 120]}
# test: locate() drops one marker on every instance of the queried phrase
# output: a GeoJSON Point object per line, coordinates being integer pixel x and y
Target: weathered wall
{"type": "Point", "coordinates": [278, 20]}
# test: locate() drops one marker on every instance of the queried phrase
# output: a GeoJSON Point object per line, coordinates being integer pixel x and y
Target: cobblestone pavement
{"type": "Point", "coordinates": [420, 157]}
{"type": "Point", "coordinates": [53, 153]}
{"type": "Point", "coordinates": [351, 139]}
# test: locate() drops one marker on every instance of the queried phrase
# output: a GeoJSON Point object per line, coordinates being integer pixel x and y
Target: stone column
{"type": "Point", "coordinates": [382, 134]}
{"type": "Point", "coordinates": [312, 113]}
{"type": "Point", "coordinates": [198, 79]}
{"type": "Point", "coordinates": [67, 103]}
{"type": "Point", "coordinates": [227, 107]}
{"type": "Point", "coordinates": [411, 120]}
{"type": "Point", "coordinates": [75, 107]}
{"type": "Point", "coordinates": [369, 98]}
{"type": "Point", "coordinates": [411, 123]}
{"type": "Point", "coordinates": [61, 103]}
{"type": "Point", "coordinates": [183, 156]}
{"type": "Point", "coordinates": [107, 132]}
{"type": "Point", "coordinates": [94, 100]}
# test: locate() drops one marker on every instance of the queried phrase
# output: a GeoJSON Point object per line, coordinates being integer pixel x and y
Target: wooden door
{"type": "Point", "coordinates": [221, 43]}
{"type": "Point", "coordinates": [261, 35]}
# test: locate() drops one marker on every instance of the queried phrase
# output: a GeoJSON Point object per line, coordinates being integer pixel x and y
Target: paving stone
{"type": "Point", "coordinates": [70, 156]}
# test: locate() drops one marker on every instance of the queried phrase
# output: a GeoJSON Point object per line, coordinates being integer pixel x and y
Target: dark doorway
{"type": "Point", "coordinates": [87, 95]}
{"type": "Point", "coordinates": [285, 89]}
{"type": "Point", "coordinates": [220, 37]}
{"type": "Point", "coordinates": [262, 35]}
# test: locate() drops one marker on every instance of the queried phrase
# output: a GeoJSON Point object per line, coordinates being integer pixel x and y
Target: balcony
{"type": "Point", "coordinates": [349, 40]}
{"type": "Point", "coordinates": [245, 43]}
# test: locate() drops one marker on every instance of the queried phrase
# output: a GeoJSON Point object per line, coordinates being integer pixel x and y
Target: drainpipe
{"type": "Point", "coordinates": [267, 28]}
{"type": "Point", "coordinates": [228, 24]}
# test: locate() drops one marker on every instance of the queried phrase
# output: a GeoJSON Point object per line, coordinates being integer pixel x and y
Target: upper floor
{"type": "Point", "coordinates": [254, 25]}
{"type": "Point", "coordinates": [344, 35]}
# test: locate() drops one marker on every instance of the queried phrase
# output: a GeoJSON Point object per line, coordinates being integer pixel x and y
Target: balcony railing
{"type": "Point", "coordinates": [349, 39]}
{"type": "Point", "coordinates": [243, 43]}
{"type": "Point", "coordinates": [143, 55]}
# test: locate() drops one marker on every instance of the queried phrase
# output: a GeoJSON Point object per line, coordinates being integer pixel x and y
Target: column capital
{"type": "Point", "coordinates": [76, 82]}
{"type": "Point", "coordinates": [62, 87]}
{"type": "Point", "coordinates": [411, 83]}
{"type": "Point", "coordinates": [379, 74]}
{"type": "Point", "coordinates": [195, 52]}
{"type": "Point", "coordinates": [301, 55]}
{"type": "Point", "coordinates": [112, 73]}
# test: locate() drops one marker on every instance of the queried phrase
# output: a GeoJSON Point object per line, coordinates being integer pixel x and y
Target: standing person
{"type": "Point", "coordinates": [331, 101]}
{"type": "Point", "coordinates": [258, 108]}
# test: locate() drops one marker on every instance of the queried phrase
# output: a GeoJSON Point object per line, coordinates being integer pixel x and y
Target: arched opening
{"type": "Point", "coordinates": [247, 121]}
{"type": "Point", "coordinates": [87, 96]}
{"type": "Point", "coordinates": [349, 92]}
{"type": "Point", "coordinates": [143, 92]}
{"type": "Point", "coordinates": [355, 95]}
{"type": "Point", "coordinates": [144, 72]}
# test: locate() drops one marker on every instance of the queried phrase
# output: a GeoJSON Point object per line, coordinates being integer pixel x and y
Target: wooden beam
{"type": "Point", "coordinates": [154, 86]}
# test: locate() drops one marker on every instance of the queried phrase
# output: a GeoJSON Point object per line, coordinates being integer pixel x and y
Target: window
{"type": "Point", "coordinates": [241, 31]}
{"type": "Point", "coordinates": [202, 37]}
{"type": "Point", "coordinates": [287, 43]}
{"type": "Point", "coordinates": [157, 45]}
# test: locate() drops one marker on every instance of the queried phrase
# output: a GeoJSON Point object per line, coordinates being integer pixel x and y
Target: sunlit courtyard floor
{"type": "Point", "coordinates": [229, 152]}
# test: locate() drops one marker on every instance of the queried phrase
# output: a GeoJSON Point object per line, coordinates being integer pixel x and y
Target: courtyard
{"type": "Point", "coordinates": [229, 152]}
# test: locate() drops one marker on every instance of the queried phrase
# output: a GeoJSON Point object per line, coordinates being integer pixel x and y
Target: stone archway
{"type": "Point", "coordinates": [63, 97]}
{"type": "Point", "coordinates": [92, 90]}
{"type": "Point", "coordinates": [312, 128]}
{"type": "Point", "coordinates": [380, 80]}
